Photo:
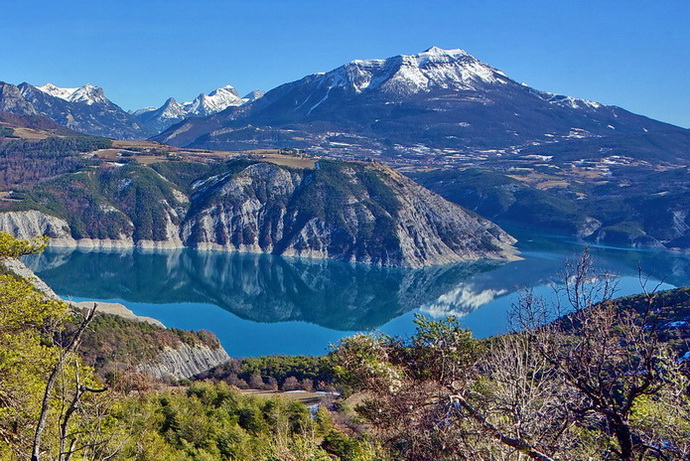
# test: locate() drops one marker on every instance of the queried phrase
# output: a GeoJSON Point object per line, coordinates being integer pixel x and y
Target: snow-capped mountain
{"type": "Point", "coordinates": [171, 111]}
{"type": "Point", "coordinates": [85, 109]}
{"type": "Point", "coordinates": [404, 75]}
{"type": "Point", "coordinates": [438, 102]}
{"type": "Point", "coordinates": [89, 94]}
{"type": "Point", "coordinates": [215, 101]}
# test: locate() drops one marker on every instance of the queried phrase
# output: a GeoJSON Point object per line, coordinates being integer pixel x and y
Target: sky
{"type": "Point", "coordinates": [634, 54]}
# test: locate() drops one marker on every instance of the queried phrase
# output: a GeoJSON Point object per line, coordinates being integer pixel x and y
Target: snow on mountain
{"type": "Point", "coordinates": [408, 74]}
{"type": "Point", "coordinates": [172, 109]}
{"type": "Point", "coordinates": [202, 106]}
{"type": "Point", "coordinates": [89, 94]}
{"type": "Point", "coordinates": [215, 101]}
{"type": "Point", "coordinates": [443, 103]}
{"type": "Point", "coordinates": [254, 95]}
{"type": "Point", "coordinates": [143, 110]}
{"type": "Point", "coordinates": [568, 101]}
{"type": "Point", "coordinates": [62, 93]}
{"type": "Point", "coordinates": [84, 109]}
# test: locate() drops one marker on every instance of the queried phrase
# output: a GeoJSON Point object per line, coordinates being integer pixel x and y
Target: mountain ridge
{"type": "Point", "coordinates": [444, 102]}
{"type": "Point", "coordinates": [354, 212]}
{"type": "Point", "coordinates": [172, 111]}
{"type": "Point", "coordinates": [84, 109]}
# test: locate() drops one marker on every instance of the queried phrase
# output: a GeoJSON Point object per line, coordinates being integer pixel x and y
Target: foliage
{"type": "Point", "coordinates": [600, 383]}
{"type": "Point", "coordinates": [114, 343]}
{"type": "Point", "coordinates": [11, 247]}
{"type": "Point", "coordinates": [299, 371]}
{"type": "Point", "coordinates": [215, 422]}
{"type": "Point", "coordinates": [23, 163]}
{"type": "Point", "coordinates": [29, 323]}
{"type": "Point", "coordinates": [634, 205]}
{"type": "Point", "coordinates": [182, 174]}
{"type": "Point", "coordinates": [109, 203]}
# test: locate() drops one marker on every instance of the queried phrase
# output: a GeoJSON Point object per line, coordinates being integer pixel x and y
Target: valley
{"type": "Point", "coordinates": [443, 262]}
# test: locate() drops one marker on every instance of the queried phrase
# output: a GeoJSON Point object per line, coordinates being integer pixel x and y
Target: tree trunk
{"type": "Point", "coordinates": [45, 406]}
{"type": "Point", "coordinates": [621, 430]}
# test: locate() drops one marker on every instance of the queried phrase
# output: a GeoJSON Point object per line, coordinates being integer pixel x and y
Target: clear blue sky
{"type": "Point", "coordinates": [635, 54]}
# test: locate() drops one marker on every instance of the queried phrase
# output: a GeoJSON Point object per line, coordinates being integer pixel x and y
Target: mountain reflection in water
{"type": "Point", "coordinates": [263, 289]}
{"type": "Point", "coordinates": [258, 287]}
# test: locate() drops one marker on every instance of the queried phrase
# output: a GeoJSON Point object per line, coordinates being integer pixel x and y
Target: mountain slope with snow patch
{"type": "Point", "coordinates": [171, 112]}
{"type": "Point", "coordinates": [438, 102]}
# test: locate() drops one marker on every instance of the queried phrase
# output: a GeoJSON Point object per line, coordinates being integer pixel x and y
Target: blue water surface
{"type": "Point", "coordinates": [264, 304]}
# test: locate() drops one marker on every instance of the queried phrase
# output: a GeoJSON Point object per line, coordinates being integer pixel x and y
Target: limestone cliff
{"type": "Point", "coordinates": [357, 212]}
{"type": "Point", "coordinates": [183, 361]}
{"type": "Point", "coordinates": [361, 212]}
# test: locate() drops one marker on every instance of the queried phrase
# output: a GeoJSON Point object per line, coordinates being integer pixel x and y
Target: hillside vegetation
{"type": "Point", "coordinates": [631, 206]}
{"type": "Point", "coordinates": [55, 407]}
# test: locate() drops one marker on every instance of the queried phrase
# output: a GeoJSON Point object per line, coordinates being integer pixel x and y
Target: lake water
{"type": "Point", "coordinates": [264, 304]}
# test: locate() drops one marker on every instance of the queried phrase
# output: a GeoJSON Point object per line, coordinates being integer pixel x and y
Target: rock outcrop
{"type": "Point", "coordinates": [357, 212]}
{"type": "Point", "coordinates": [176, 359]}
{"type": "Point", "coordinates": [362, 212]}
{"type": "Point", "coordinates": [17, 267]}
{"type": "Point", "coordinates": [117, 309]}
{"type": "Point", "coordinates": [184, 361]}
{"type": "Point", "coordinates": [31, 223]}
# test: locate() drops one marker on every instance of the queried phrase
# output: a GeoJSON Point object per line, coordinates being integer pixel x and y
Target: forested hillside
{"type": "Point", "coordinates": [350, 211]}
{"type": "Point", "coordinates": [625, 205]}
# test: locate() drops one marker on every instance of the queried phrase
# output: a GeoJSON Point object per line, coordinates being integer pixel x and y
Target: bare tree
{"type": "Point", "coordinates": [609, 357]}
{"type": "Point", "coordinates": [428, 396]}
{"type": "Point", "coordinates": [52, 379]}
{"type": "Point", "coordinates": [565, 386]}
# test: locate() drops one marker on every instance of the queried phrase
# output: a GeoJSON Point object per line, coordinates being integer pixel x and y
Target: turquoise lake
{"type": "Point", "coordinates": [264, 304]}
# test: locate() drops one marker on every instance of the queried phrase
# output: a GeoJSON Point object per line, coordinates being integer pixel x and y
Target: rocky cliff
{"type": "Point", "coordinates": [184, 361]}
{"type": "Point", "coordinates": [350, 211]}
{"type": "Point", "coordinates": [118, 339]}
{"type": "Point", "coordinates": [356, 212]}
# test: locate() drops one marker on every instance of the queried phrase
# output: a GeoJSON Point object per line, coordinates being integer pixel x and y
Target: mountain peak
{"type": "Point", "coordinates": [435, 50]}
{"type": "Point", "coordinates": [89, 94]}
{"type": "Point", "coordinates": [216, 101]}
{"type": "Point", "coordinates": [223, 89]}
{"type": "Point", "coordinates": [254, 95]}
{"type": "Point", "coordinates": [56, 91]}
{"type": "Point", "coordinates": [407, 74]}
{"type": "Point", "coordinates": [203, 105]}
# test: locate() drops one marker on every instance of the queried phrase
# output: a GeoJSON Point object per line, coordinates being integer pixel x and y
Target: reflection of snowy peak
{"type": "Point", "coordinates": [203, 105]}
{"type": "Point", "coordinates": [461, 301]}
